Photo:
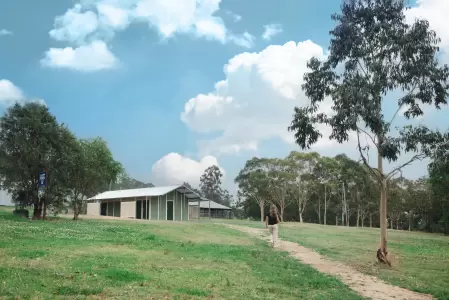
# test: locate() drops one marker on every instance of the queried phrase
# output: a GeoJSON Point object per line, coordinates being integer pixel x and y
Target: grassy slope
{"type": "Point", "coordinates": [140, 260]}
{"type": "Point", "coordinates": [420, 260]}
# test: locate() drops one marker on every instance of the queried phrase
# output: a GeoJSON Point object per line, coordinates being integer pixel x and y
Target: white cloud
{"type": "Point", "coordinates": [435, 11]}
{"type": "Point", "coordinates": [255, 101]}
{"type": "Point", "coordinates": [245, 40]}
{"type": "Point", "coordinates": [10, 94]}
{"type": "Point", "coordinates": [271, 30]}
{"type": "Point", "coordinates": [235, 17]}
{"type": "Point", "coordinates": [95, 56]}
{"type": "Point", "coordinates": [5, 32]}
{"type": "Point", "coordinates": [75, 25]}
{"type": "Point", "coordinates": [98, 20]}
{"type": "Point", "coordinates": [174, 168]}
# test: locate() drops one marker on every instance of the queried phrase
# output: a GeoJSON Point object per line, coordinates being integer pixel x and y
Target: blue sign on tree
{"type": "Point", "coordinates": [43, 179]}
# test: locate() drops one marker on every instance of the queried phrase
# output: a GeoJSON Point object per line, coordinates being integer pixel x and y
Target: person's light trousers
{"type": "Point", "coordinates": [274, 234]}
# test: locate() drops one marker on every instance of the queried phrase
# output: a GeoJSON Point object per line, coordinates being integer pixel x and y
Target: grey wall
{"type": "Point", "coordinates": [154, 208]}
{"type": "Point", "coordinates": [5, 198]}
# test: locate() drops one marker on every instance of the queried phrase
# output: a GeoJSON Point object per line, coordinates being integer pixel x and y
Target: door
{"type": "Point", "coordinates": [170, 210]}
{"type": "Point", "coordinates": [103, 209]}
{"type": "Point", "coordinates": [138, 209]}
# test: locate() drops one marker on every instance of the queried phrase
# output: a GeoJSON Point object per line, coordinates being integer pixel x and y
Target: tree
{"type": "Point", "coordinates": [31, 140]}
{"type": "Point", "coordinates": [304, 177]}
{"type": "Point", "coordinates": [439, 183]}
{"type": "Point", "coordinates": [253, 184]}
{"type": "Point", "coordinates": [210, 184]}
{"type": "Point", "coordinates": [378, 52]}
{"type": "Point", "coordinates": [95, 168]}
{"type": "Point", "coordinates": [280, 179]}
{"type": "Point", "coordinates": [60, 165]}
{"type": "Point", "coordinates": [124, 182]}
{"type": "Point", "coordinates": [327, 173]}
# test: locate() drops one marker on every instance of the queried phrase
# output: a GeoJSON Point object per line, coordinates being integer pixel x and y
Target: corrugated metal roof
{"type": "Point", "coordinates": [205, 204]}
{"type": "Point", "coordinates": [145, 192]}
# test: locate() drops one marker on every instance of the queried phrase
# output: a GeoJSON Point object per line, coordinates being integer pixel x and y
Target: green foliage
{"type": "Point", "coordinates": [210, 186]}
{"type": "Point", "coordinates": [373, 51]}
{"type": "Point", "coordinates": [22, 212]}
{"type": "Point", "coordinates": [31, 141]}
{"type": "Point", "coordinates": [95, 168]}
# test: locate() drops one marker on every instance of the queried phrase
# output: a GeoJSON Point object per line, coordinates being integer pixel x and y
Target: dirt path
{"type": "Point", "coordinates": [365, 285]}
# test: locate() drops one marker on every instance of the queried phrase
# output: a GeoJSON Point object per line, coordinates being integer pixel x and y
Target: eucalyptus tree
{"type": "Point", "coordinates": [253, 183]}
{"type": "Point", "coordinates": [304, 176]}
{"type": "Point", "coordinates": [373, 51]}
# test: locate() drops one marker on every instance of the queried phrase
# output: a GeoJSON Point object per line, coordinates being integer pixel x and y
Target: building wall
{"type": "Point", "coordinates": [5, 198]}
{"type": "Point", "coordinates": [156, 206]}
{"type": "Point", "coordinates": [128, 209]}
{"type": "Point", "coordinates": [93, 209]}
{"type": "Point", "coordinates": [162, 208]}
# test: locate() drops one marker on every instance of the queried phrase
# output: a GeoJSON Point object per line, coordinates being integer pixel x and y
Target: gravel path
{"type": "Point", "coordinates": [365, 285]}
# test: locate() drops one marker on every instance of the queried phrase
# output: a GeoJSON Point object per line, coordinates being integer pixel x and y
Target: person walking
{"type": "Point", "coordinates": [271, 223]}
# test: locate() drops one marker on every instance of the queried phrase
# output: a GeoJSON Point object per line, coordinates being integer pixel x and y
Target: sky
{"type": "Point", "coordinates": [177, 86]}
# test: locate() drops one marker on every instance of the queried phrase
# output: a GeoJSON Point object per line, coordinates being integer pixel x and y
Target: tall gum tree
{"type": "Point", "coordinates": [373, 52]}
{"type": "Point", "coordinates": [253, 183]}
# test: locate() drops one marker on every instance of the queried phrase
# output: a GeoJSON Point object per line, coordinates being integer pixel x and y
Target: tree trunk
{"type": "Point", "coordinates": [76, 212]}
{"type": "Point", "coordinates": [370, 220]}
{"type": "Point", "coordinates": [37, 211]}
{"type": "Point", "coordinates": [358, 217]}
{"type": "Point", "coordinates": [336, 220]}
{"type": "Point", "coordinates": [44, 208]}
{"type": "Point", "coordinates": [300, 217]}
{"type": "Point", "coordinates": [282, 212]}
{"type": "Point", "coordinates": [391, 223]}
{"type": "Point", "coordinates": [319, 210]}
{"type": "Point", "coordinates": [409, 221]}
{"type": "Point", "coordinates": [325, 204]}
{"type": "Point", "coordinates": [382, 252]}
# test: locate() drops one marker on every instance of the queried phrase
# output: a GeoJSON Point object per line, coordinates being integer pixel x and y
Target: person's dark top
{"type": "Point", "coordinates": [271, 219]}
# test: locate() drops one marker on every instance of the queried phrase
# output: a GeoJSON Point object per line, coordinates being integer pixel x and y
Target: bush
{"type": "Point", "coordinates": [22, 212]}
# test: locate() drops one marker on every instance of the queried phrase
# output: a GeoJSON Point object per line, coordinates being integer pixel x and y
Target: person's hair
{"type": "Point", "coordinates": [273, 209]}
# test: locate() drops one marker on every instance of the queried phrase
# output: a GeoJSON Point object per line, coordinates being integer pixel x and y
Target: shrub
{"type": "Point", "coordinates": [22, 212]}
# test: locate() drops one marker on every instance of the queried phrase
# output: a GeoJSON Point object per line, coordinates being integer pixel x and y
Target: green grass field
{"type": "Point", "coordinates": [92, 259]}
{"type": "Point", "coordinates": [420, 260]}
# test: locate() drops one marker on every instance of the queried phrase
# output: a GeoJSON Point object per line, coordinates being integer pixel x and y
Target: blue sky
{"type": "Point", "coordinates": [143, 75]}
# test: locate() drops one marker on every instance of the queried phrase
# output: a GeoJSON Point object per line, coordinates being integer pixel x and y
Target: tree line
{"type": "Point", "coordinates": [33, 141]}
{"type": "Point", "coordinates": [307, 187]}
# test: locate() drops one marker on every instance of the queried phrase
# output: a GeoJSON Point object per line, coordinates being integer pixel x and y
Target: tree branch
{"type": "Point", "coordinates": [365, 132]}
{"type": "Point", "coordinates": [420, 156]}
{"type": "Point", "coordinates": [400, 106]}
{"type": "Point", "coordinates": [378, 174]}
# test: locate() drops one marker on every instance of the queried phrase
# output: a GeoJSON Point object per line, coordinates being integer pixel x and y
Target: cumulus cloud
{"type": "Point", "coordinates": [174, 168]}
{"type": "Point", "coordinates": [95, 56]}
{"type": "Point", "coordinates": [91, 20]}
{"type": "Point", "coordinates": [10, 94]}
{"type": "Point", "coordinates": [271, 30]}
{"type": "Point", "coordinates": [255, 101]}
{"type": "Point", "coordinates": [5, 32]}
{"type": "Point", "coordinates": [435, 11]}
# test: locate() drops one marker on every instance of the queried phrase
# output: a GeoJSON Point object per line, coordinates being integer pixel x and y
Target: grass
{"type": "Point", "coordinates": [420, 260]}
{"type": "Point", "coordinates": [92, 259]}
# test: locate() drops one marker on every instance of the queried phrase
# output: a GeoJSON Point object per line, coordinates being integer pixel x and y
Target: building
{"type": "Point", "coordinates": [217, 210]}
{"type": "Point", "coordinates": [5, 199]}
{"type": "Point", "coordinates": [153, 203]}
